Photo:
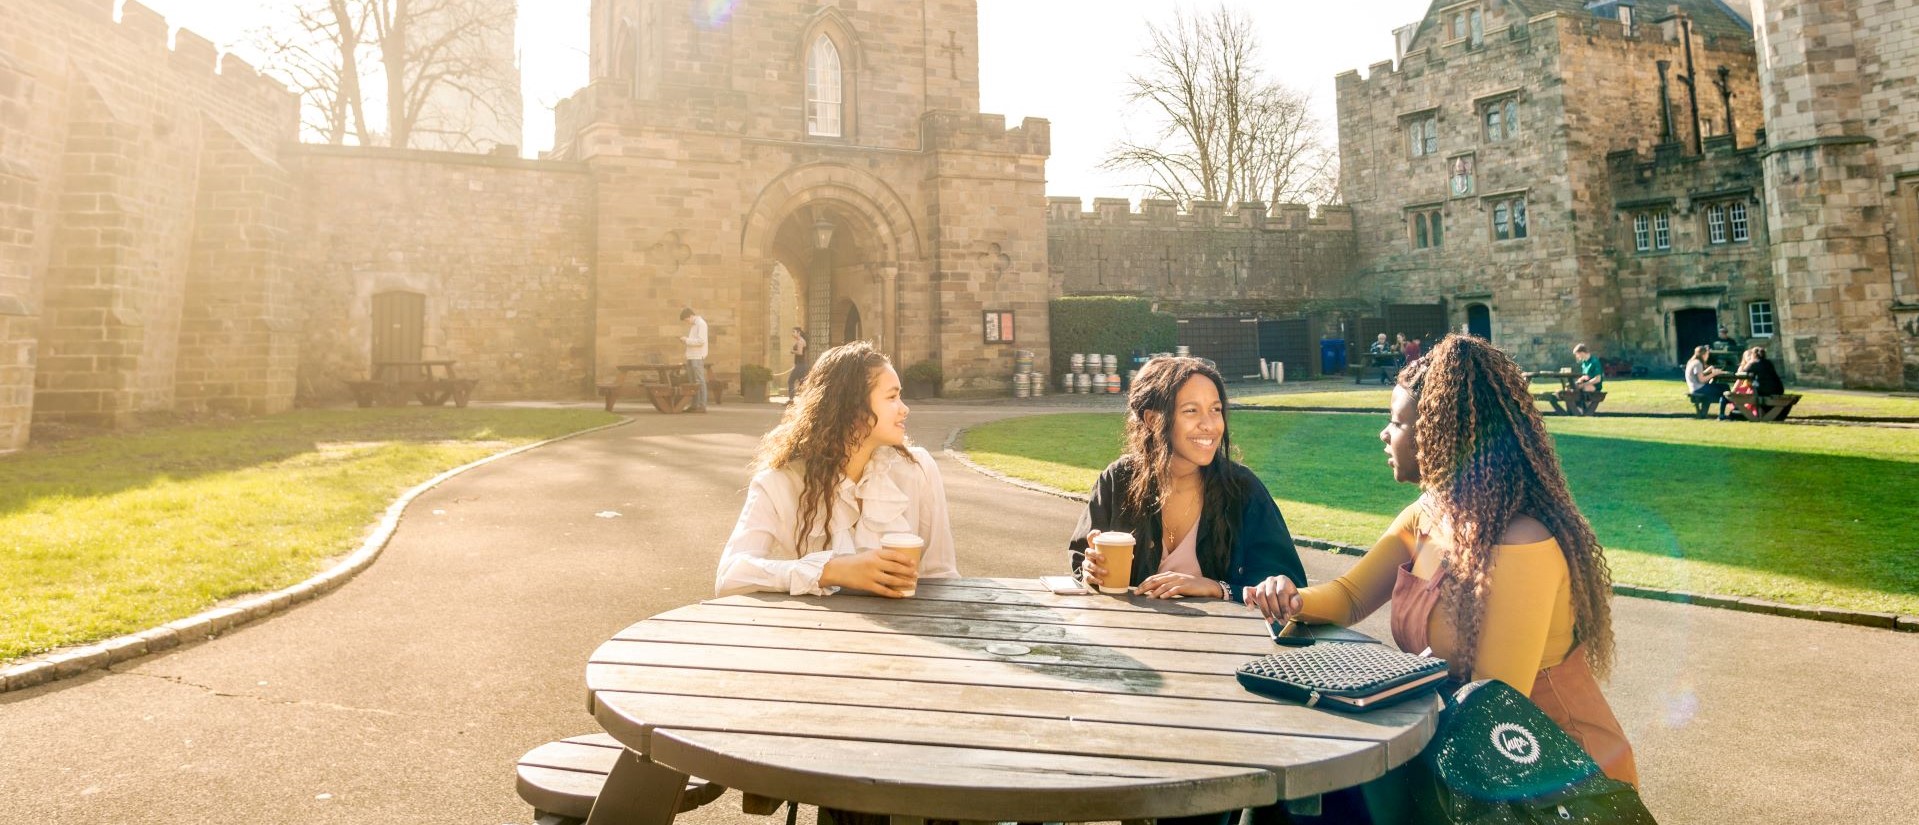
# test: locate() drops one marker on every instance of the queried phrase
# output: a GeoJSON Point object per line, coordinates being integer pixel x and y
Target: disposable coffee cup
{"type": "Point", "coordinates": [1117, 550]}
{"type": "Point", "coordinates": [914, 547]}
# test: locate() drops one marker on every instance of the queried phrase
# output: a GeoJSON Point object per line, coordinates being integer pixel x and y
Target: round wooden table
{"type": "Point", "coordinates": [978, 699]}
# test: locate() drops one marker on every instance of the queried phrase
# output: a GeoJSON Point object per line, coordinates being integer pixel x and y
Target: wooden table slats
{"type": "Point", "coordinates": [945, 647]}
{"type": "Point", "coordinates": [982, 784]}
{"type": "Point", "coordinates": [1196, 621]}
{"type": "Point", "coordinates": [1154, 712]}
{"type": "Point", "coordinates": [980, 630]}
{"type": "Point", "coordinates": [1307, 764]}
{"type": "Point", "coordinates": [981, 700]}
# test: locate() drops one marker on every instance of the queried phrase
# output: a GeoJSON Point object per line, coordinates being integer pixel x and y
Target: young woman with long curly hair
{"type": "Point", "coordinates": [1203, 524]}
{"type": "Point", "coordinates": [835, 475]}
{"type": "Point", "coordinates": [1493, 568]}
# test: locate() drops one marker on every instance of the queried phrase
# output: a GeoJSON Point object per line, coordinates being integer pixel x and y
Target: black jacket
{"type": "Point", "coordinates": [1765, 378]}
{"type": "Point", "coordinates": [1262, 549]}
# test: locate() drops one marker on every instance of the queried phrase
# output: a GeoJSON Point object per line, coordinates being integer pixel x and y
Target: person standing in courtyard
{"type": "Point", "coordinates": [835, 475]}
{"type": "Point", "coordinates": [695, 342]}
{"type": "Point", "coordinates": [799, 350]}
{"type": "Point", "coordinates": [1493, 568]}
{"type": "Point", "coordinates": [1204, 524]}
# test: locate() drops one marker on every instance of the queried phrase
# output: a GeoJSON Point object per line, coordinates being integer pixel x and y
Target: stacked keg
{"type": "Point", "coordinates": [1091, 373]}
{"type": "Point", "coordinates": [1026, 382]}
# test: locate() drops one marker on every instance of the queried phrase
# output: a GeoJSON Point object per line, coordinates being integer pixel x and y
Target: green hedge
{"type": "Point", "coordinates": [1108, 325]}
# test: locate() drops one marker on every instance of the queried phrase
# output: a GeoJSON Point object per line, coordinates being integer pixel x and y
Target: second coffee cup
{"type": "Point", "coordinates": [914, 547]}
{"type": "Point", "coordinates": [1117, 551]}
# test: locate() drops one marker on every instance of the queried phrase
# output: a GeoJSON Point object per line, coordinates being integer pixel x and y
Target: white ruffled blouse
{"type": "Point", "coordinates": [893, 496]}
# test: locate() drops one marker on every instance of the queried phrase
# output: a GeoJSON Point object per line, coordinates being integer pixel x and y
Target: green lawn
{"type": "Point", "coordinates": [1804, 515]}
{"type": "Point", "coordinates": [118, 533]}
{"type": "Point", "coordinates": [1623, 395]}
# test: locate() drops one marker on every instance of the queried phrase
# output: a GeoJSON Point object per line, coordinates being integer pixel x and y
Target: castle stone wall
{"type": "Point", "coordinates": [104, 154]}
{"type": "Point", "coordinates": [1254, 256]}
{"type": "Point", "coordinates": [502, 250]}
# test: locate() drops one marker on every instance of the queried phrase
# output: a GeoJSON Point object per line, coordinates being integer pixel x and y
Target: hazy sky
{"type": "Point", "coordinates": [1063, 60]}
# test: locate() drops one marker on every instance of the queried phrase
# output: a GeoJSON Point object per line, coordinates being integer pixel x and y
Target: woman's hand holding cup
{"type": "Point", "coordinates": [1276, 598]}
{"type": "Point", "coordinates": [1092, 564]}
{"type": "Point", "coordinates": [885, 572]}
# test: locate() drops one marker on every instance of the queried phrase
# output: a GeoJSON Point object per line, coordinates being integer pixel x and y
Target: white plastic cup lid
{"type": "Point", "coordinates": [1114, 538]}
{"type": "Point", "coordinates": [901, 540]}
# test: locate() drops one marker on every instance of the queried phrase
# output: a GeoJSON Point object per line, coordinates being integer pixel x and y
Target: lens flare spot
{"type": "Point", "coordinates": [714, 13]}
{"type": "Point", "coordinates": [1682, 706]}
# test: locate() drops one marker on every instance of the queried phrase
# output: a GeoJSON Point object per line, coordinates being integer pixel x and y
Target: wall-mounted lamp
{"type": "Point", "coordinates": [822, 233]}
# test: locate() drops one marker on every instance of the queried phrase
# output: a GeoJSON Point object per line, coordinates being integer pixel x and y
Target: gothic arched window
{"type": "Point", "coordinates": [824, 86]}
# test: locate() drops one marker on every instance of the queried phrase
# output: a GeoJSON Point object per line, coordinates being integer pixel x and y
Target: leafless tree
{"type": "Point", "coordinates": [1224, 131]}
{"type": "Point", "coordinates": [319, 50]}
{"type": "Point", "coordinates": [423, 67]}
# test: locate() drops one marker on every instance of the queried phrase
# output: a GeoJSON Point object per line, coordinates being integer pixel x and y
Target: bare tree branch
{"type": "Point", "coordinates": [1224, 132]}
{"type": "Point", "coordinates": [427, 67]}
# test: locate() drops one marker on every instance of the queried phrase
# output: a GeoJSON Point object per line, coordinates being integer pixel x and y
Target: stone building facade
{"type": "Point", "coordinates": [800, 164]}
{"type": "Point", "coordinates": [1477, 168]}
{"type": "Point", "coordinates": [1767, 188]}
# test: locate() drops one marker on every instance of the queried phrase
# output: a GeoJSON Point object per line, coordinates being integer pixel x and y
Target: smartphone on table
{"type": "Point", "coordinates": [1065, 585]}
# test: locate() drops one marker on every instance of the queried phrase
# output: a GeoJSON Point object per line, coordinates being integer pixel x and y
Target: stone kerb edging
{"type": "Point", "coordinates": [1886, 621]}
{"type": "Point", "coordinates": [211, 623]}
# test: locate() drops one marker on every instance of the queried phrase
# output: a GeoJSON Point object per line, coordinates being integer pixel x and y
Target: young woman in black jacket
{"type": "Point", "coordinates": [1203, 524]}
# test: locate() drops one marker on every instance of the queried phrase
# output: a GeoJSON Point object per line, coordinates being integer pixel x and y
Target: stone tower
{"type": "Point", "coordinates": [1842, 185]}
{"type": "Point", "coordinates": [823, 165]}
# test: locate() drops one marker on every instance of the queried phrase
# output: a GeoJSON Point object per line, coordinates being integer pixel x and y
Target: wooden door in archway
{"type": "Point", "coordinates": [399, 327]}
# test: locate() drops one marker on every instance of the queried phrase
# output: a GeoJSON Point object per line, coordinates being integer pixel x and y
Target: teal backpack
{"type": "Point", "coordinates": [1497, 759]}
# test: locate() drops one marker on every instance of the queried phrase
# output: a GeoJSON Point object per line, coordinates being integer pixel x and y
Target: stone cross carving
{"type": "Point", "coordinates": [1100, 257]}
{"type": "Point", "coordinates": [952, 49]}
{"type": "Point", "coordinates": [1166, 258]}
{"type": "Point", "coordinates": [668, 253]}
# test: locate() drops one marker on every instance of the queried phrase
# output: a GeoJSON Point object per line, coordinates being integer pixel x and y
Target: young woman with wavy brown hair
{"type": "Point", "coordinates": [1493, 568]}
{"type": "Point", "coordinates": [835, 475]}
{"type": "Point", "coordinates": [1204, 524]}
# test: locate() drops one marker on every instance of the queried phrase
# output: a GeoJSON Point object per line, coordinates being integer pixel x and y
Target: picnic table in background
{"type": "Point", "coordinates": [1749, 404]}
{"type": "Point", "coordinates": [1569, 399]}
{"type": "Point", "coordinates": [977, 699]}
{"type": "Point", "coordinates": [393, 382]}
{"type": "Point", "coordinates": [666, 385]}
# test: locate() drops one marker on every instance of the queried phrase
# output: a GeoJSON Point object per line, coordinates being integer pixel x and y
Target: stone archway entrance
{"type": "Point", "coordinates": [849, 249]}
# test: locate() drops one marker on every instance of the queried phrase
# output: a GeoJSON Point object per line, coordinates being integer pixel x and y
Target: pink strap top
{"type": "Point", "coordinates": [1185, 557]}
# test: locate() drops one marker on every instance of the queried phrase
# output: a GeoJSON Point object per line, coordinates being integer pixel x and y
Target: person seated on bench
{"type": "Point", "coordinates": [1592, 374]}
{"type": "Point", "coordinates": [1699, 380]}
{"type": "Point", "coordinates": [1765, 382]}
{"type": "Point", "coordinates": [834, 476]}
{"type": "Point", "coordinates": [1385, 357]}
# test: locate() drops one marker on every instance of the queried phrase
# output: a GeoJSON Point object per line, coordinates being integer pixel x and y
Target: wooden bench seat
{"type": "Point", "coordinates": [1770, 407]}
{"type": "Point", "coordinates": [1572, 402]}
{"type": "Point", "coordinates": [562, 779]}
{"type": "Point", "coordinates": [431, 392]}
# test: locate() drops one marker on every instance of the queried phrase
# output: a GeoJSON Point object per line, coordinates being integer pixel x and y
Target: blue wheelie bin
{"type": "Point", "coordinates": [1332, 356]}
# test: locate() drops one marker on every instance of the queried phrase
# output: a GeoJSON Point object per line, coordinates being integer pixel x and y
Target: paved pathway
{"type": "Point", "coordinates": [502, 581]}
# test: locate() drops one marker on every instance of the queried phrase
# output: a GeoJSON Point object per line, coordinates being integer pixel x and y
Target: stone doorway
{"type": "Point", "coordinates": [1479, 321]}
{"type": "Point", "coordinates": [1691, 328]}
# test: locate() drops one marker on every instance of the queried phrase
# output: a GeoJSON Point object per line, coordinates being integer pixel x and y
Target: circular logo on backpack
{"type": "Point", "coordinates": [1515, 743]}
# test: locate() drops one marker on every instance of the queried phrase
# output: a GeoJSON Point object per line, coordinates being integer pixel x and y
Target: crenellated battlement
{"type": "Point", "coordinates": [191, 56]}
{"type": "Point", "coordinates": [980, 132]}
{"type": "Point", "coordinates": [1159, 213]}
